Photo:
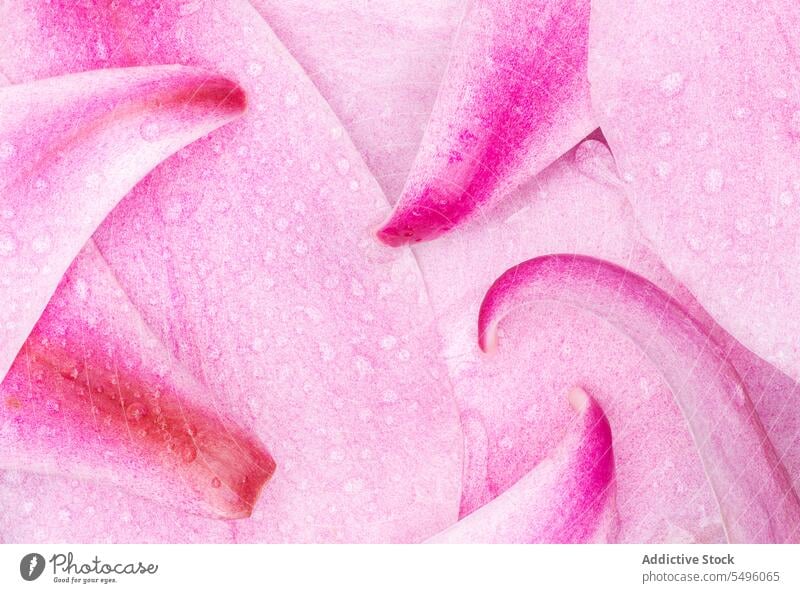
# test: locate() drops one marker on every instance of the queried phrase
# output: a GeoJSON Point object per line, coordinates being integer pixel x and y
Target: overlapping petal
{"type": "Point", "coordinates": [238, 283]}
{"type": "Point", "coordinates": [698, 103]}
{"type": "Point", "coordinates": [70, 149]}
{"type": "Point", "coordinates": [378, 64]}
{"type": "Point", "coordinates": [552, 348]}
{"type": "Point", "coordinates": [566, 498]}
{"type": "Point", "coordinates": [514, 98]}
{"type": "Point", "coordinates": [756, 497]}
{"type": "Point", "coordinates": [250, 256]}
{"type": "Point", "coordinates": [94, 395]}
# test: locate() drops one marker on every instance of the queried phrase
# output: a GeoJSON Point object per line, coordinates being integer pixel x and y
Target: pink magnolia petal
{"type": "Point", "coordinates": [379, 65]}
{"type": "Point", "coordinates": [70, 148]}
{"type": "Point", "coordinates": [756, 498]}
{"type": "Point", "coordinates": [697, 101]}
{"type": "Point", "coordinates": [93, 395]}
{"type": "Point", "coordinates": [47, 508]}
{"type": "Point", "coordinates": [514, 98]}
{"type": "Point", "coordinates": [575, 205]}
{"type": "Point", "coordinates": [287, 308]}
{"type": "Point", "coordinates": [567, 498]}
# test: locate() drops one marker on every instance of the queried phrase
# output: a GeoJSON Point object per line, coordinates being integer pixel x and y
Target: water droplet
{"type": "Point", "coordinates": [149, 130]}
{"type": "Point", "coordinates": [744, 226]}
{"type": "Point", "coordinates": [7, 244]}
{"type": "Point", "coordinates": [215, 483]}
{"type": "Point", "coordinates": [255, 69]}
{"type": "Point", "coordinates": [343, 165]}
{"type": "Point", "coordinates": [786, 198]}
{"type": "Point", "coordinates": [712, 181]}
{"type": "Point", "coordinates": [672, 84]}
{"type": "Point", "coordinates": [291, 99]}
{"type": "Point", "coordinates": [42, 244]}
{"type": "Point", "coordinates": [136, 411]}
{"type": "Point", "coordinates": [356, 288]}
{"type": "Point", "coordinates": [662, 169]}
{"type": "Point", "coordinates": [388, 342]}
{"type": "Point", "coordinates": [663, 139]}
{"type": "Point", "coordinates": [188, 453]}
{"type": "Point", "coordinates": [7, 150]}
{"type": "Point", "coordinates": [354, 485]}
{"type": "Point", "coordinates": [695, 243]}
{"type": "Point", "coordinates": [221, 206]}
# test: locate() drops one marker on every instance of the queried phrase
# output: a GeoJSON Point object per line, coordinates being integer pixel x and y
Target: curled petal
{"type": "Point", "coordinates": [70, 149]}
{"type": "Point", "coordinates": [567, 498]}
{"type": "Point", "coordinates": [514, 98]}
{"type": "Point", "coordinates": [94, 395]}
{"type": "Point", "coordinates": [755, 496]}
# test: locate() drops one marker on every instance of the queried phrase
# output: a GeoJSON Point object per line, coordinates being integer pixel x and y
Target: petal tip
{"type": "Point", "coordinates": [390, 235]}
{"type": "Point", "coordinates": [578, 399]}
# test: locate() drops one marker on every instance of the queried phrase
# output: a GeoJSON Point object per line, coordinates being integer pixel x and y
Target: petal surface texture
{"type": "Point", "coordinates": [94, 395]}
{"type": "Point", "coordinates": [573, 206]}
{"type": "Point", "coordinates": [514, 98]}
{"type": "Point", "coordinates": [70, 148]}
{"type": "Point", "coordinates": [49, 508]}
{"type": "Point", "coordinates": [697, 102]}
{"type": "Point", "coordinates": [757, 501]}
{"type": "Point", "coordinates": [564, 499]}
{"type": "Point", "coordinates": [378, 64]}
{"type": "Point", "coordinates": [250, 256]}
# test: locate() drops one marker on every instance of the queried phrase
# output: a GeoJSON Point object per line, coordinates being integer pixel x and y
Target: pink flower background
{"type": "Point", "coordinates": [384, 271]}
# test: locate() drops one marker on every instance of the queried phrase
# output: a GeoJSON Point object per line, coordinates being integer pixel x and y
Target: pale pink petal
{"type": "Point", "coordinates": [47, 509]}
{"type": "Point", "coordinates": [567, 498]}
{"type": "Point", "coordinates": [379, 65]}
{"type": "Point", "coordinates": [70, 149]}
{"type": "Point", "coordinates": [575, 205]}
{"type": "Point", "coordinates": [698, 103]}
{"type": "Point", "coordinates": [514, 98]}
{"type": "Point", "coordinates": [93, 395]}
{"type": "Point", "coordinates": [756, 498]}
{"type": "Point", "coordinates": [251, 257]}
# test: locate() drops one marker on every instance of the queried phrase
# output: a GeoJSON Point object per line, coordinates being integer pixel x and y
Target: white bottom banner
{"type": "Point", "coordinates": [388, 568]}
